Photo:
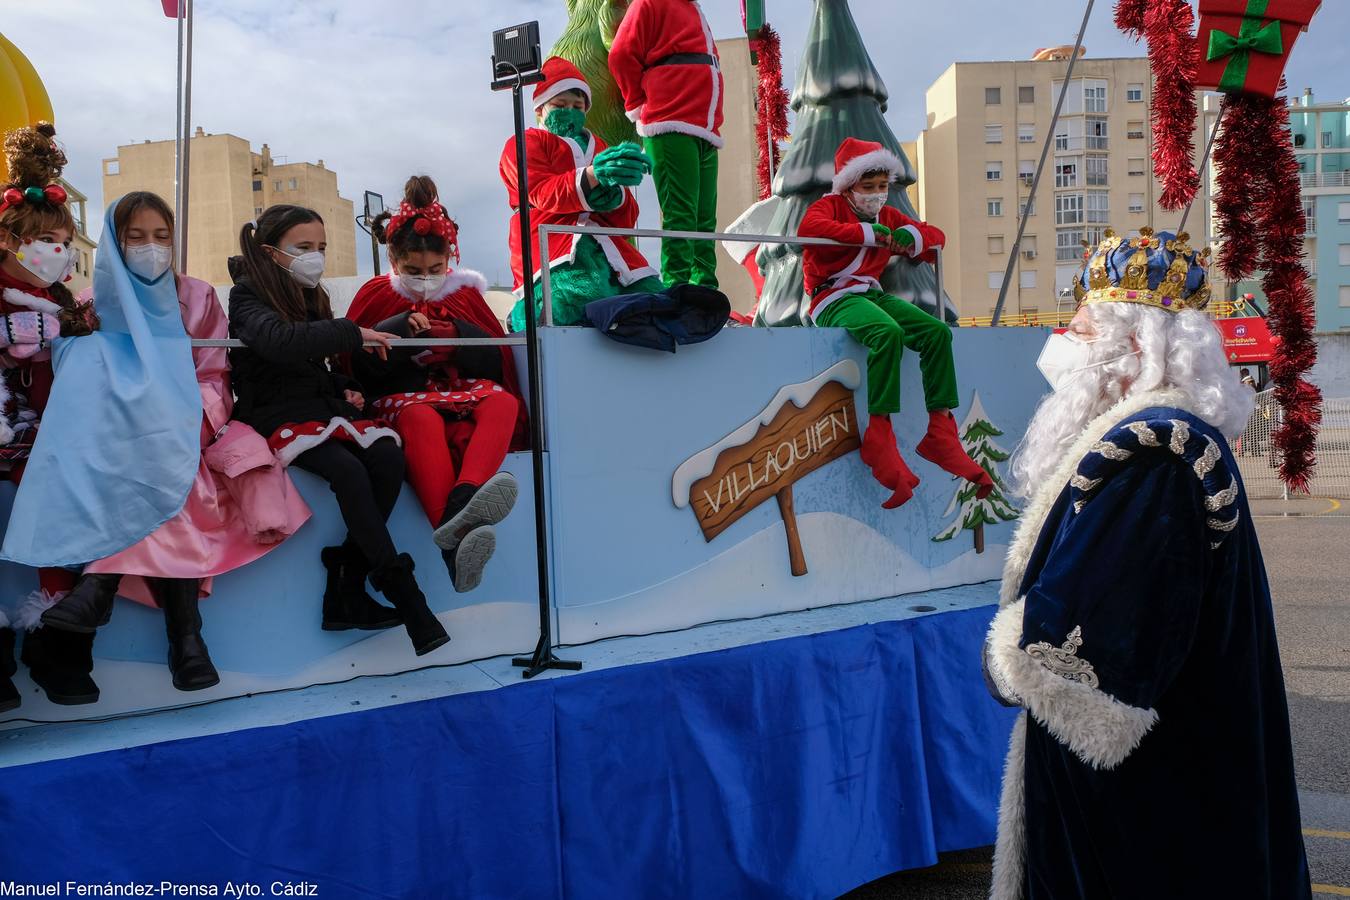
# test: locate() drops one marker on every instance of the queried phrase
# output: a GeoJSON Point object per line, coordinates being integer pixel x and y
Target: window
{"type": "Point", "coordinates": [1062, 136]}
{"type": "Point", "coordinates": [1135, 131]}
{"type": "Point", "coordinates": [257, 211]}
{"type": "Point", "coordinates": [257, 185]}
{"type": "Point", "coordinates": [112, 167]}
{"type": "Point", "coordinates": [995, 243]}
{"type": "Point", "coordinates": [1026, 134]}
{"type": "Point", "coordinates": [1343, 212]}
{"type": "Point", "coordinates": [293, 185]}
{"type": "Point", "coordinates": [1028, 279]}
{"type": "Point", "coordinates": [1066, 171]}
{"type": "Point", "coordinates": [1345, 295]}
{"type": "Point", "coordinates": [1344, 251]}
{"type": "Point", "coordinates": [1069, 209]}
{"type": "Point", "coordinates": [1098, 207]}
{"type": "Point", "coordinates": [1068, 245]}
{"type": "Point", "coordinates": [993, 134]}
{"type": "Point", "coordinates": [993, 171]}
{"type": "Point", "coordinates": [994, 207]}
{"type": "Point", "coordinates": [996, 281]}
{"type": "Point", "coordinates": [1134, 93]}
{"type": "Point", "coordinates": [993, 96]}
{"type": "Point", "coordinates": [1026, 171]}
{"type": "Point", "coordinates": [1096, 133]}
{"type": "Point", "coordinates": [1025, 209]}
{"type": "Point", "coordinates": [1097, 171]}
{"type": "Point", "coordinates": [1026, 94]}
{"type": "Point", "coordinates": [1029, 245]}
{"type": "Point", "coordinates": [1094, 96]}
{"type": "Point", "coordinates": [1136, 165]}
{"type": "Point", "coordinates": [1136, 203]}
{"type": "Point", "coordinates": [276, 186]}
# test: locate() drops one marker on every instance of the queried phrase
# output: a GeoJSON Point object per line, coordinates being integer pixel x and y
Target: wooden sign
{"type": "Point", "coordinates": [805, 427]}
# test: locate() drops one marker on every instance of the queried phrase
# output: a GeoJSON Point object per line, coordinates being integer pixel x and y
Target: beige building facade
{"type": "Point", "coordinates": [737, 163]}
{"type": "Point", "coordinates": [229, 186]}
{"type": "Point", "coordinates": [987, 123]}
{"type": "Point", "coordinates": [82, 245]}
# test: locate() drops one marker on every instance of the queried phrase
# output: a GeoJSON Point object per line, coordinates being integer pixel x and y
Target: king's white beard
{"type": "Point", "coordinates": [1058, 422]}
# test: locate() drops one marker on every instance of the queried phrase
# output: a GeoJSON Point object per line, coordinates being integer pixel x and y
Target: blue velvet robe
{"type": "Point", "coordinates": [1158, 761]}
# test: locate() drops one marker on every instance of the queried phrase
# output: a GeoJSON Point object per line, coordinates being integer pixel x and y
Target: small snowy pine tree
{"type": "Point", "coordinates": [972, 514]}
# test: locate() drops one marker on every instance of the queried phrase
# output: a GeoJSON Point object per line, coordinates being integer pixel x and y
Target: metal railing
{"type": "Point", "coordinates": [718, 236]}
{"type": "Point", "coordinates": [511, 340]}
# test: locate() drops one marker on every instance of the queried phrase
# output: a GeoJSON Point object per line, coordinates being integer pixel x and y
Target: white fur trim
{"type": "Point", "coordinates": [1035, 513]}
{"type": "Point", "coordinates": [1099, 729]}
{"type": "Point", "coordinates": [581, 190]}
{"type": "Point", "coordinates": [715, 70]}
{"type": "Point", "coordinates": [869, 234]}
{"type": "Point", "coordinates": [287, 454]}
{"type": "Point", "coordinates": [29, 301]}
{"type": "Point", "coordinates": [29, 614]}
{"type": "Point", "coordinates": [1010, 848]}
{"type": "Point", "coordinates": [454, 281]}
{"type": "Point", "coordinates": [567, 84]}
{"type": "Point", "coordinates": [859, 287]}
{"type": "Point", "coordinates": [580, 158]}
{"type": "Point", "coordinates": [917, 249]}
{"type": "Point", "coordinates": [633, 115]}
{"type": "Point", "coordinates": [675, 126]}
{"type": "Point", "coordinates": [859, 166]}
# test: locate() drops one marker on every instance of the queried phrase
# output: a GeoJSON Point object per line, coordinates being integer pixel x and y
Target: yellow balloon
{"type": "Point", "coordinates": [23, 99]}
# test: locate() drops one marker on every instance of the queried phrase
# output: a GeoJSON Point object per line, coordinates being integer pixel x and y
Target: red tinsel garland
{"type": "Point", "coordinates": [771, 106]}
{"type": "Point", "coordinates": [1130, 16]}
{"type": "Point", "coordinates": [1240, 171]}
{"type": "Point", "coordinates": [1169, 29]}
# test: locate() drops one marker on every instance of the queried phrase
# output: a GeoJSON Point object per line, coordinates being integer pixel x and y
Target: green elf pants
{"type": "Point", "coordinates": [887, 326]}
{"type": "Point", "coordinates": [685, 174]}
{"type": "Point", "coordinates": [576, 284]}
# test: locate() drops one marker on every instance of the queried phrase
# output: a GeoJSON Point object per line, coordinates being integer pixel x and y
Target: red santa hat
{"type": "Point", "coordinates": [856, 158]}
{"type": "Point", "coordinates": [560, 76]}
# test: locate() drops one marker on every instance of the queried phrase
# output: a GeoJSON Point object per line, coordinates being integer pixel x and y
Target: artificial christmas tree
{"type": "Point", "coordinates": [972, 513]}
{"type": "Point", "coordinates": [591, 26]}
{"type": "Point", "coordinates": [838, 94]}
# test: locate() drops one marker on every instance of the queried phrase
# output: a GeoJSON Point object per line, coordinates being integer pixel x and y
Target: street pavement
{"type": "Point", "coordinates": [1308, 560]}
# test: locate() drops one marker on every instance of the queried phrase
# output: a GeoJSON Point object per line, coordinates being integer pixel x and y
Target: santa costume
{"type": "Point", "coordinates": [458, 410]}
{"type": "Point", "coordinates": [844, 290]}
{"type": "Point", "coordinates": [582, 268]}
{"type": "Point", "coordinates": [666, 66]}
{"type": "Point", "coordinates": [1136, 631]}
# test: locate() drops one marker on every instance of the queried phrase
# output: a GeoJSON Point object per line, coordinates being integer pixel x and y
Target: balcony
{"type": "Point", "coordinates": [1324, 179]}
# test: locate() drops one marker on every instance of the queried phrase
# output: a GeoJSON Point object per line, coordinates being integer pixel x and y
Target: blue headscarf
{"type": "Point", "coordinates": [120, 441]}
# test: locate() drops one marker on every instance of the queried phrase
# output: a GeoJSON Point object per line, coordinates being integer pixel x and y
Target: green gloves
{"type": "Point", "coordinates": [881, 231]}
{"type": "Point", "coordinates": [621, 166]}
{"type": "Point", "coordinates": [903, 237]}
{"type": "Point", "coordinates": [603, 198]}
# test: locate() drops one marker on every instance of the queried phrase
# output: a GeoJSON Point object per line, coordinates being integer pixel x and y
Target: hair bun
{"type": "Point", "coordinates": [33, 156]}
{"type": "Point", "coordinates": [420, 191]}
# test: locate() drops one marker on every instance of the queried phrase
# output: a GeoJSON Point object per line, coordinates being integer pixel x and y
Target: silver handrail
{"type": "Point", "coordinates": [719, 236]}
{"type": "Point", "coordinates": [513, 340]}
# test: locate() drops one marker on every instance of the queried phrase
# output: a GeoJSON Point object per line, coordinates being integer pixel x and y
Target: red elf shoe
{"type": "Point", "coordinates": [880, 453]}
{"type": "Point", "coordinates": [942, 446]}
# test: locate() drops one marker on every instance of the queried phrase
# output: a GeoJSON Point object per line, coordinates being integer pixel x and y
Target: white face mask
{"type": "Point", "coordinates": [148, 260]}
{"type": "Point", "coordinates": [305, 268]}
{"type": "Point", "coordinates": [423, 286]}
{"type": "Point", "coordinates": [869, 205]}
{"type": "Point", "coordinates": [1065, 357]}
{"type": "Point", "coordinates": [47, 261]}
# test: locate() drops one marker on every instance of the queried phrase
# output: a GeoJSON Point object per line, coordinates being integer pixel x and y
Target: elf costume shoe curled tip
{"type": "Point", "coordinates": [942, 446]}
{"type": "Point", "coordinates": [346, 605]}
{"type": "Point", "coordinates": [880, 453]}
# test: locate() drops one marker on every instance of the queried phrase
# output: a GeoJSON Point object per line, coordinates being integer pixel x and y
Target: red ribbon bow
{"type": "Point", "coordinates": [52, 193]}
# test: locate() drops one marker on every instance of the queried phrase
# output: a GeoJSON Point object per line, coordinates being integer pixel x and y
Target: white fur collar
{"type": "Point", "coordinates": [1034, 515]}
{"type": "Point", "coordinates": [30, 301]}
{"type": "Point", "coordinates": [457, 279]}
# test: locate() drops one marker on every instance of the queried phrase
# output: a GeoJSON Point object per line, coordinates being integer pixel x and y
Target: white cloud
{"type": "Point", "coordinates": [380, 90]}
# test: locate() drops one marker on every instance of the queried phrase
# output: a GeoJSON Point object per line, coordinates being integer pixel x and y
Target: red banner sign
{"type": "Point", "coordinates": [170, 8]}
{"type": "Point", "coordinates": [1247, 340]}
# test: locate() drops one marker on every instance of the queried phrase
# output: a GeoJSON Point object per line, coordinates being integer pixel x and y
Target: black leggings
{"type": "Point", "coordinates": [366, 482]}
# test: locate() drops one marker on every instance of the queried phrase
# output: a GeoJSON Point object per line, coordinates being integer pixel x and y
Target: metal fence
{"type": "Point", "coordinates": [1259, 463]}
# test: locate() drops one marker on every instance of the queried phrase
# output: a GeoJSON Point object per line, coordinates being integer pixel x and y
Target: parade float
{"type": "Point", "coordinates": [781, 693]}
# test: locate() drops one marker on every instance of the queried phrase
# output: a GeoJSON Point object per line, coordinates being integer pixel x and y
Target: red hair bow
{"type": "Point", "coordinates": [426, 220]}
{"type": "Point", "coordinates": [52, 193]}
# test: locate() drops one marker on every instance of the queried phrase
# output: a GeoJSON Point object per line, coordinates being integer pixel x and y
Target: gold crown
{"type": "Point", "coordinates": [1118, 271]}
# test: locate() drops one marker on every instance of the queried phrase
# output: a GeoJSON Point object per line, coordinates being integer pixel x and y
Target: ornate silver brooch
{"type": "Point", "coordinates": [1063, 660]}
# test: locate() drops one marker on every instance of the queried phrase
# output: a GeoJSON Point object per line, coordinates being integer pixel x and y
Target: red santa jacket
{"type": "Point", "coordinates": [556, 168]}
{"type": "Point", "coordinates": [833, 272]}
{"type": "Point", "coordinates": [661, 93]}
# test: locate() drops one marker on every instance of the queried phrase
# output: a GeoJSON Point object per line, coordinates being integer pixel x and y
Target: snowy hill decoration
{"type": "Point", "coordinates": [804, 427]}
{"type": "Point", "coordinates": [978, 433]}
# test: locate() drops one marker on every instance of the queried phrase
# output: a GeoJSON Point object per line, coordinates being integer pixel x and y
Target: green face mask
{"type": "Point", "coordinates": [569, 123]}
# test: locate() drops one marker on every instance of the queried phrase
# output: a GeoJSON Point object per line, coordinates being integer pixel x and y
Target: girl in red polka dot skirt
{"type": "Point", "coordinates": [457, 409]}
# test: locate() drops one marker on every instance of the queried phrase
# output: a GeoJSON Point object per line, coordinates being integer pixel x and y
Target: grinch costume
{"type": "Point", "coordinates": [844, 291]}
{"type": "Point", "coordinates": [666, 65]}
{"type": "Point", "coordinates": [582, 268]}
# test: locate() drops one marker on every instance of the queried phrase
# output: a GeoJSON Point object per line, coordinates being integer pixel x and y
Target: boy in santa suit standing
{"type": "Point", "coordinates": [845, 293]}
{"type": "Point", "coordinates": [666, 66]}
{"type": "Point", "coordinates": [575, 179]}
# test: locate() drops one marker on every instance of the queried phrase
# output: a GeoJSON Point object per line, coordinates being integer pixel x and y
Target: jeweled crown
{"type": "Point", "coordinates": [1160, 270]}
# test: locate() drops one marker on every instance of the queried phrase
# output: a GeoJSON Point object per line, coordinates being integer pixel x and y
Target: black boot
{"type": "Point", "coordinates": [9, 694]}
{"type": "Point", "coordinates": [346, 604]}
{"type": "Point", "coordinates": [189, 662]}
{"type": "Point", "coordinates": [472, 506]}
{"type": "Point", "coordinates": [87, 607]}
{"type": "Point", "coordinates": [61, 663]}
{"type": "Point", "coordinates": [395, 580]}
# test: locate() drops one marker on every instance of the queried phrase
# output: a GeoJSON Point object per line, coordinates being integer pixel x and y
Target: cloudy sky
{"type": "Point", "coordinates": [380, 90]}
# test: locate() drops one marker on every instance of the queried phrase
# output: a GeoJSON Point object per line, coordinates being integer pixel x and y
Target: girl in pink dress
{"type": "Point", "coordinates": [241, 503]}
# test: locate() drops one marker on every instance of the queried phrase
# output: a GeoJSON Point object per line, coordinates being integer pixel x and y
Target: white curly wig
{"type": "Point", "coordinates": [1179, 351]}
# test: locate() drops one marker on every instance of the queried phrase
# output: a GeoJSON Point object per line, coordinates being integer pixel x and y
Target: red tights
{"type": "Point", "coordinates": [433, 443]}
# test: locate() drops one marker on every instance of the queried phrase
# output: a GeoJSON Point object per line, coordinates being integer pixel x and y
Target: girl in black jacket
{"type": "Point", "coordinates": [287, 390]}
